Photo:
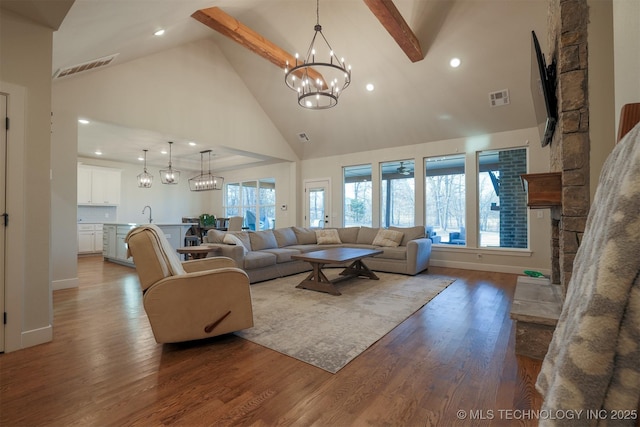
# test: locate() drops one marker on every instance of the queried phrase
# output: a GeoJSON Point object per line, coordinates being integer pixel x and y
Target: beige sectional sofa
{"type": "Point", "coordinates": [267, 254]}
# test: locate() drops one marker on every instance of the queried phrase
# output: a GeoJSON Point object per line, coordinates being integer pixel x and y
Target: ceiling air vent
{"type": "Point", "coordinates": [85, 66]}
{"type": "Point", "coordinates": [303, 137]}
{"type": "Point", "coordinates": [499, 98]}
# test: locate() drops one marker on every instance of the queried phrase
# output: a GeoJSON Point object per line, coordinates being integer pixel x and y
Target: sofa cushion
{"type": "Point", "coordinates": [262, 240]}
{"type": "Point", "coordinates": [304, 236]}
{"type": "Point", "coordinates": [308, 248]}
{"type": "Point", "coordinates": [410, 233]}
{"type": "Point", "coordinates": [348, 234]}
{"type": "Point", "coordinates": [390, 238]}
{"type": "Point", "coordinates": [398, 252]}
{"type": "Point", "coordinates": [366, 235]}
{"type": "Point", "coordinates": [328, 236]}
{"type": "Point", "coordinates": [231, 239]}
{"type": "Point", "coordinates": [285, 237]}
{"type": "Point", "coordinates": [282, 254]}
{"type": "Point", "coordinates": [258, 259]}
{"type": "Point", "coordinates": [244, 238]}
{"type": "Point", "coordinates": [215, 236]}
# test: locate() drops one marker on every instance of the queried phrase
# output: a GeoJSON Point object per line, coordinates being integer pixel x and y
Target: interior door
{"type": "Point", "coordinates": [317, 200]}
{"type": "Point", "coordinates": [3, 208]}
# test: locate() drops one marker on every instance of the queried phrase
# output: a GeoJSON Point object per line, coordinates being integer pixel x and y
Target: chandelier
{"type": "Point", "coordinates": [145, 179]}
{"type": "Point", "coordinates": [169, 175]}
{"type": "Point", "coordinates": [318, 83]}
{"type": "Point", "coordinates": [205, 181]}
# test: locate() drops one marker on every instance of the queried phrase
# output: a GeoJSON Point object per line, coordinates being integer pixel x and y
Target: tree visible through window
{"type": "Point", "coordinates": [445, 199]}
{"type": "Point", "coordinates": [357, 196]}
{"type": "Point", "coordinates": [502, 204]}
{"type": "Point", "coordinates": [397, 198]}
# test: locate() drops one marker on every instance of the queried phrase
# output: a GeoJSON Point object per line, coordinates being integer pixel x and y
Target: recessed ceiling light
{"type": "Point", "coordinates": [163, 152]}
{"type": "Point", "coordinates": [455, 62]}
{"type": "Point", "coordinates": [83, 121]}
{"type": "Point", "coordinates": [159, 32]}
{"type": "Point", "coordinates": [99, 153]}
{"type": "Point", "coordinates": [141, 158]}
{"type": "Point", "coordinates": [370, 87]}
{"type": "Point", "coordinates": [193, 144]}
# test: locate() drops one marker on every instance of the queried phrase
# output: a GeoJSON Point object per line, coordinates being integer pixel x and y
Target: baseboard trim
{"type": "Point", "coordinates": [498, 268]}
{"type": "Point", "coordinates": [64, 284]}
{"type": "Point", "coordinates": [37, 336]}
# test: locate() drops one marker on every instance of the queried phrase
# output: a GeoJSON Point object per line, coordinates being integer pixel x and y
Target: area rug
{"type": "Point", "coordinates": [329, 331]}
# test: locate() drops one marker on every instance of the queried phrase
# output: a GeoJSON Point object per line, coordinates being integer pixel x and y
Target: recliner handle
{"type": "Point", "coordinates": [211, 326]}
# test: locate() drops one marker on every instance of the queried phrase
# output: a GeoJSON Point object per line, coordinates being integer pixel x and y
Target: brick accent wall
{"type": "Point", "coordinates": [568, 21]}
{"type": "Point", "coordinates": [513, 201]}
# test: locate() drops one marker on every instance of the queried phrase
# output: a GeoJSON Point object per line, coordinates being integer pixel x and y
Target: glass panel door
{"type": "Point", "coordinates": [317, 211]}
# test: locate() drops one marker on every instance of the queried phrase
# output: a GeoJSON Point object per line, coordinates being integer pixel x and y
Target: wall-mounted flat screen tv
{"type": "Point", "coordinates": [543, 92]}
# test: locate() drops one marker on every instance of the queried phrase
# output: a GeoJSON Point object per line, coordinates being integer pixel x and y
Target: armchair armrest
{"type": "Point", "coordinates": [199, 305]}
{"type": "Point", "coordinates": [207, 264]}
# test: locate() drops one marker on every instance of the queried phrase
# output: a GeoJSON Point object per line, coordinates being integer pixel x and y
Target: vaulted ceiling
{"type": "Point", "coordinates": [415, 100]}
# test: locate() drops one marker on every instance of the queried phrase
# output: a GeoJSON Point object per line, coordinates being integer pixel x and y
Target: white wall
{"type": "Point", "coordinates": [25, 73]}
{"type": "Point", "coordinates": [190, 91]}
{"type": "Point", "coordinates": [602, 110]}
{"type": "Point", "coordinates": [626, 48]}
{"type": "Point", "coordinates": [515, 261]}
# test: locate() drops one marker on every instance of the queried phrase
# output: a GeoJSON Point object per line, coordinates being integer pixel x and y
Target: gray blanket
{"type": "Point", "coordinates": [592, 369]}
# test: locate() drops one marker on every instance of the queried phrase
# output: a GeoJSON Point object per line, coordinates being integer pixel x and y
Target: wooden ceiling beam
{"type": "Point", "coordinates": [390, 18]}
{"type": "Point", "coordinates": [218, 20]}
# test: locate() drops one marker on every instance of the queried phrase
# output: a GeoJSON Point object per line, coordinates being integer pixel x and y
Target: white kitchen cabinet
{"type": "Point", "coordinates": [89, 238]}
{"type": "Point", "coordinates": [98, 186]}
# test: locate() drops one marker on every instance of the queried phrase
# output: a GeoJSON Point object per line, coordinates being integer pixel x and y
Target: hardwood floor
{"type": "Point", "coordinates": [103, 367]}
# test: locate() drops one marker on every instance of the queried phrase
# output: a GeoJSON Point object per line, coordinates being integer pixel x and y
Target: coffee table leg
{"type": "Point", "coordinates": [317, 281]}
{"type": "Point", "coordinates": [358, 268]}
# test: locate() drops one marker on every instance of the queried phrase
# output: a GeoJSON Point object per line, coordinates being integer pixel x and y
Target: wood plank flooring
{"type": "Point", "coordinates": [104, 368]}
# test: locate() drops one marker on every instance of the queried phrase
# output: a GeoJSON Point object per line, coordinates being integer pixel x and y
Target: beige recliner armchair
{"type": "Point", "coordinates": [188, 300]}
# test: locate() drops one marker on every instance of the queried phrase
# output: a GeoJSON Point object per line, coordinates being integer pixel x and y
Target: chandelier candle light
{"type": "Point", "coordinates": [205, 181]}
{"type": "Point", "coordinates": [145, 179]}
{"type": "Point", "coordinates": [169, 175]}
{"type": "Point", "coordinates": [318, 84]}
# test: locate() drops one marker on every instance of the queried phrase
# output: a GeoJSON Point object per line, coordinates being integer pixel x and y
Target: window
{"type": "Point", "coordinates": [502, 209]}
{"type": "Point", "coordinates": [253, 200]}
{"type": "Point", "coordinates": [397, 202]}
{"type": "Point", "coordinates": [357, 196]}
{"type": "Point", "coordinates": [445, 199]}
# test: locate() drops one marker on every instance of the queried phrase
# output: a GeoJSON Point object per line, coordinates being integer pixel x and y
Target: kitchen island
{"type": "Point", "coordinates": [114, 248]}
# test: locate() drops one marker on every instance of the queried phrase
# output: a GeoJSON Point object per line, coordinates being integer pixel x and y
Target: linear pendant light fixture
{"type": "Point", "coordinates": [169, 175]}
{"type": "Point", "coordinates": [145, 179]}
{"type": "Point", "coordinates": [205, 181]}
{"type": "Point", "coordinates": [318, 84]}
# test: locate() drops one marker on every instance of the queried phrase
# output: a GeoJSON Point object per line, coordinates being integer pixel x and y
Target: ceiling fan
{"type": "Point", "coordinates": [403, 170]}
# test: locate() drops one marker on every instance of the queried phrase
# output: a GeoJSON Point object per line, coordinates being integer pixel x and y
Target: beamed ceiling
{"type": "Point", "coordinates": [402, 47]}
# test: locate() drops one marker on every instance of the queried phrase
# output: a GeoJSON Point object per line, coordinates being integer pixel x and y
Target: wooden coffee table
{"type": "Point", "coordinates": [317, 281]}
{"type": "Point", "coordinates": [197, 252]}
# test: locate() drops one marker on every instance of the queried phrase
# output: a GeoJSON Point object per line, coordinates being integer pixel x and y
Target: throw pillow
{"type": "Point", "coordinates": [389, 238]}
{"type": "Point", "coordinates": [304, 236]}
{"type": "Point", "coordinates": [262, 240]}
{"type": "Point", "coordinates": [328, 237]}
{"type": "Point", "coordinates": [231, 239]}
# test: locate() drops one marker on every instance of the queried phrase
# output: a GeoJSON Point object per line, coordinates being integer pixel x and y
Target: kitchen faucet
{"type": "Point", "coordinates": [144, 209]}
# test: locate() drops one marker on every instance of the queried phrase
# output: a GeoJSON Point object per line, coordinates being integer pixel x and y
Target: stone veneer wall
{"type": "Point", "coordinates": [568, 21]}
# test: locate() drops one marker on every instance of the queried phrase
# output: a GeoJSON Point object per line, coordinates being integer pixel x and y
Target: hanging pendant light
{"type": "Point", "coordinates": [169, 175]}
{"type": "Point", "coordinates": [145, 179]}
{"type": "Point", "coordinates": [205, 181]}
{"type": "Point", "coordinates": [318, 83]}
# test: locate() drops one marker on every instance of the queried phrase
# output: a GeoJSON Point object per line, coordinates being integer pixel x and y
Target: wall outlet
{"type": "Point", "coordinates": [540, 214]}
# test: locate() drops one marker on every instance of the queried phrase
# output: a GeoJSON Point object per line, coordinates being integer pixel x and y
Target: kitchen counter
{"type": "Point", "coordinates": [114, 248]}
